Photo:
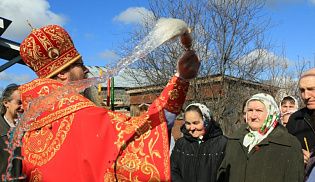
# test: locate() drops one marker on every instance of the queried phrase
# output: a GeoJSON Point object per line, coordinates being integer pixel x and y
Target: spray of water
{"type": "Point", "coordinates": [164, 30]}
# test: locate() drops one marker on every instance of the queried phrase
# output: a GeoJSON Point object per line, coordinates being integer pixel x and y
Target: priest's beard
{"type": "Point", "coordinates": [91, 93]}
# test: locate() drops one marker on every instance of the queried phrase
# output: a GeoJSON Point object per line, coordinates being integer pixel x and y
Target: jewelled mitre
{"type": "Point", "coordinates": [48, 50]}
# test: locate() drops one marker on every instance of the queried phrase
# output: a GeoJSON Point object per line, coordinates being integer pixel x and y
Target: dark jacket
{"type": "Point", "coordinates": [278, 158]}
{"type": "Point", "coordinates": [300, 125]}
{"type": "Point", "coordinates": [193, 160]}
{"type": "Point", "coordinates": [17, 164]}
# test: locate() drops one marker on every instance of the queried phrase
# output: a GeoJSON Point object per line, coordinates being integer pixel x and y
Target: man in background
{"type": "Point", "coordinates": [302, 123]}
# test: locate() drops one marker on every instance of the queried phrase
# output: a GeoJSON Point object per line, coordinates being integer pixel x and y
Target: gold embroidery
{"type": "Point", "coordinates": [66, 105]}
{"type": "Point", "coordinates": [148, 151]}
{"type": "Point", "coordinates": [60, 37]}
{"type": "Point", "coordinates": [53, 53]}
{"type": "Point", "coordinates": [176, 92]}
{"type": "Point", "coordinates": [110, 177]}
{"type": "Point", "coordinates": [43, 39]}
{"type": "Point", "coordinates": [140, 156]}
{"type": "Point", "coordinates": [118, 120]}
{"type": "Point", "coordinates": [35, 83]}
{"type": "Point", "coordinates": [48, 50]}
{"type": "Point", "coordinates": [165, 141]}
{"type": "Point", "coordinates": [131, 162]}
{"type": "Point", "coordinates": [43, 91]}
{"type": "Point", "coordinates": [36, 176]}
{"type": "Point", "coordinates": [59, 64]}
{"type": "Point", "coordinates": [42, 152]}
{"type": "Point", "coordinates": [159, 104]}
{"type": "Point", "coordinates": [39, 140]}
{"type": "Point", "coordinates": [69, 101]}
{"type": "Point", "coordinates": [59, 114]}
{"type": "Point", "coordinates": [173, 94]}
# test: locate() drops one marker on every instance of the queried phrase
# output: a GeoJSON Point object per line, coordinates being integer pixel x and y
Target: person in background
{"type": "Point", "coordinates": [198, 155]}
{"type": "Point", "coordinates": [302, 123]}
{"type": "Point", "coordinates": [11, 106]}
{"type": "Point", "coordinates": [288, 105]}
{"type": "Point", "coordinates": [262, 150]}
{"type": "Point", "coordinates": [143, 108]}
{"type": "Point", "coordinates": [75, 140]}
{"type": "Point", "coordinates": [243, 118]}
{"type": "Point", "coordinates": [175, 132]}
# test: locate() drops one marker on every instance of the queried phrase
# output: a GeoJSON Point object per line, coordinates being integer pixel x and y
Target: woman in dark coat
{"type": "Point", "coordinates": [262, 150]}
{"type": "Point", "coordinates": [198, 155]}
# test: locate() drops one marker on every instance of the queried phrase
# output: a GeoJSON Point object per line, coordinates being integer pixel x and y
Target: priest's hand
{"type": "Point", "coordinates": [188, 65]}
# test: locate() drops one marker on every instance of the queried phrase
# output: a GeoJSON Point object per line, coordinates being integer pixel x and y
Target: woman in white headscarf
{"type": "Point", "coordinates": [262, 150]}
{"type": "Point", "coordinates": [198, 155]}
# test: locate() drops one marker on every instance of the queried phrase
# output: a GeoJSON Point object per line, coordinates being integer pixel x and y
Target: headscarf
{"type": "Point", "coordinates": [252, 138]}
{"type": "Point", "coordinates": [296, 105]}
{"type": "Point", "coordinates": [206, 114]}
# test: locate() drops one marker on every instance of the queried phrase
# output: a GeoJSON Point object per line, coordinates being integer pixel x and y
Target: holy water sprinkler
{"type": "Point", "coordinates": [186, 39]}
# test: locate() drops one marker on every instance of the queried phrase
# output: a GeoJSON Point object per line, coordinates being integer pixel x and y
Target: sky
{"type": "Point", "coordinates": [99, 27]}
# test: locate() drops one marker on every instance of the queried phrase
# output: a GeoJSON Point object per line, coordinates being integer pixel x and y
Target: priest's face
{"type": "Point", "coordinates": [77, 71]}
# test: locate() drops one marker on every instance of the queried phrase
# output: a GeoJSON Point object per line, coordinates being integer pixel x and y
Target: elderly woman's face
{"type": "Point", "coordinates": [194, 124]}
{"type": "Point", "coordinates": [256, 114]}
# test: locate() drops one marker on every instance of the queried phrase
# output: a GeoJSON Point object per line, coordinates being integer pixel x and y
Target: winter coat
{"type": "Point", "coordinates": [17, 164]}
{"type": "Point", "coordinates": [301, 126]}
{"type": "Point", "coordinates": [277, 158]}
{"type": "Point", "coordinates": [195, 160]}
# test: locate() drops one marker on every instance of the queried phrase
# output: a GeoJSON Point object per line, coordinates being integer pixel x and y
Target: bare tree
{"type": "Point", "coordinates": [228, 38]}
{"type": "Point", "coordinates": [284, 74]}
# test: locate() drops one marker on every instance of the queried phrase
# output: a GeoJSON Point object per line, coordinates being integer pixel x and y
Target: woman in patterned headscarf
{"type": "Point", "coordinates": [197, 155]}
{"type": "Point", "coordinates": [262, 150]}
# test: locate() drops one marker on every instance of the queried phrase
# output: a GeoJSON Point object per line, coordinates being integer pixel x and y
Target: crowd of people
{"type": "Point", "coordinates": [75, 140]}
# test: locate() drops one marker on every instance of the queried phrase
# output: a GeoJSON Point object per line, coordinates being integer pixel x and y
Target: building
{"type": "Point", "coordinates": [224, 95]}
{"type": "Point", "coordinates": [122, 82]}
